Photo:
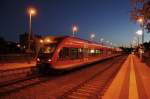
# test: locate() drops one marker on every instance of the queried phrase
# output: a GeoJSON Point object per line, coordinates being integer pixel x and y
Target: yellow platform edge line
{"type": "Point", "coordinates": [133, 92]}
{"type": "Point", "coordinates": [114, 90]}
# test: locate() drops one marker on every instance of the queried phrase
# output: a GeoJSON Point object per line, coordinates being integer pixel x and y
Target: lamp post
{"type": "Point", "coordinates": [141, 21]}
{"type": "Point", "coordinates": [139, 33]}
{"type": "Point", "coordinates": [141, 49]}
{"type": "Point", "coordinates": [31, 12]}
{"type": "Point", "coordinates": [74, 29]}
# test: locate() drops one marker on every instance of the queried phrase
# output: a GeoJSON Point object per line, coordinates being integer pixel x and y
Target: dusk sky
{"type": "Point", "coordinates": [108, 19]}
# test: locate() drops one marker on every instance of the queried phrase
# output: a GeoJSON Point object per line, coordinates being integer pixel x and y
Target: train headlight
{"type": "Point", "coordinates": [38, 59]}
{"type": "Point", "coordinates": [49, 60]}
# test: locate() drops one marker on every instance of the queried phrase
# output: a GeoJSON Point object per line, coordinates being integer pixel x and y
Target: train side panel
{"type": "Point", "coordinates": [75, 54]}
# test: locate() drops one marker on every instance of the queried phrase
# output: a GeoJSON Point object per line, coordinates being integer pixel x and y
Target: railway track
{"type": "Point", "coordinates": [94, 87]}
{"type": "Point", "coordinates": [16, 78]}
{"type": "Point", "coordinates": [15, 74]}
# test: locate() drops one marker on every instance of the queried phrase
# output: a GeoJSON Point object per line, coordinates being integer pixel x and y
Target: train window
{"type": "Point", "coordinates": [80, 52]}
{"type": "Point", "coordinates": [99, 51]}
{"type": "Point", "coordinates": [91, 52]}
{"type": "Point", "coordinates": [64, 54]}
{"type": "Point", "coordinates": [47, 49]}
{"type": "Point", "coordinates": [71, 53]}
{"type": "Point", "coordinates": [74, 53]}
{"type": "Point", "coordinates": [109, 52]}
{"type": "Point", "coordinates": [94, 52]}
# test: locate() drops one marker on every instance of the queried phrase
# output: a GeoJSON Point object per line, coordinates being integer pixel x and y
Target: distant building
{"type": "Point", "coordinates": [23, 39]}
{"type": "Point", "coordinates": [9, 47]}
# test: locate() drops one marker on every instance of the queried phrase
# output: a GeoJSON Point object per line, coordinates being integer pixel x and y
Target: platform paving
{"type": "Point", "coordinates": [15, 65]}
{"type": "Point", "coordinates": [131, 82]}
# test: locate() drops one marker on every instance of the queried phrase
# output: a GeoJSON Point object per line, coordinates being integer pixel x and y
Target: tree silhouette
{"type": "Point", "coordinates": [141, 8]}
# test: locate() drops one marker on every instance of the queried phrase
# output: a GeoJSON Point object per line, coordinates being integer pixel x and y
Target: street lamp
{"type": "Point", "coordinates": [111, 44]}
{"type": "Point", "coordinates": [107, 42]}
{"type": "Point", "coordinates": [101, 41]}
{"type": "Point", "coordinates": [141, 21]}
{"type": "Point", "coordinates": [139, 33]}
{"type": "Point", "coordinates": [92, 36]}
{"type": "Point", "coordinates": [31, 11]}
{"type": "Point", "coordinates": [74, 29]}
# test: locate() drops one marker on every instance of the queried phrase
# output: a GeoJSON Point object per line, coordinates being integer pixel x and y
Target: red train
{"type": "Point", "coordinates": [67, 52]}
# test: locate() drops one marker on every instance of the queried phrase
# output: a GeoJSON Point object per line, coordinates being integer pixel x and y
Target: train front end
{"type": "Point", "coordinates": [45, 55]}
{"type": "Point", "coordinates": [44, 62]}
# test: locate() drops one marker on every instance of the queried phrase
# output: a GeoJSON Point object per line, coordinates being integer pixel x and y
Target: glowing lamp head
{"type": "Point", "coordinates": [48, 40]}
{"type": "Point", "coordinates": [101, 39]}
{"type": "Point", "coordinates": [32, 11]}
{"type": "Point", "coordinates": [41, 41]}
{"type": "Point", "coordinates": [92, 35]}
{"type": "Point", "coordinates": [75, 29]}
{"type": "Point", "coordinates": [140, 20]}
{"type": "Point", "coordinates": [139, 32]}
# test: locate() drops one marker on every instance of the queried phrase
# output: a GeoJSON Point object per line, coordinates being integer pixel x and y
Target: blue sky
{"type": "Point", "coordinates": [108, 19]}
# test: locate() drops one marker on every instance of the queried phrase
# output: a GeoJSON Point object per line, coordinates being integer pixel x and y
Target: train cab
{"type": "Point", "coordinates": [46, 52]}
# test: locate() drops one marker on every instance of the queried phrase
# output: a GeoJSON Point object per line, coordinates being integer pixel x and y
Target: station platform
{"type": "Point", "coordinates": [16, 65]}
{"type": "Point", "coordinates": [131, 82]}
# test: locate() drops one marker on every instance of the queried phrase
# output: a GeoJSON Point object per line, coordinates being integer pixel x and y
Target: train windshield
{"type": "Point", "coordinates": [48, 50]}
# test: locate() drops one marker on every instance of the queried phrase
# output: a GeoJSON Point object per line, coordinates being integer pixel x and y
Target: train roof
{"type": "Point", "coordinates": [68, 37]}
{"type": "Point", "coordinates": [61, 38]}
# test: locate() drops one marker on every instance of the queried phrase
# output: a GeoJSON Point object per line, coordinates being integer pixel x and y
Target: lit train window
{"type": "Point", "coordinates": [80, 52]}
{"type": "Point", "coordinates": [99, 51]}
{"type": "Point", "coordinates": [48, 48]}
{"type": "Point", "coordinates": [47, 51]}
{"type": "Point", "coordinates": [80, 49]}
{"type": "Point", "coordinates": [94, 52]}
